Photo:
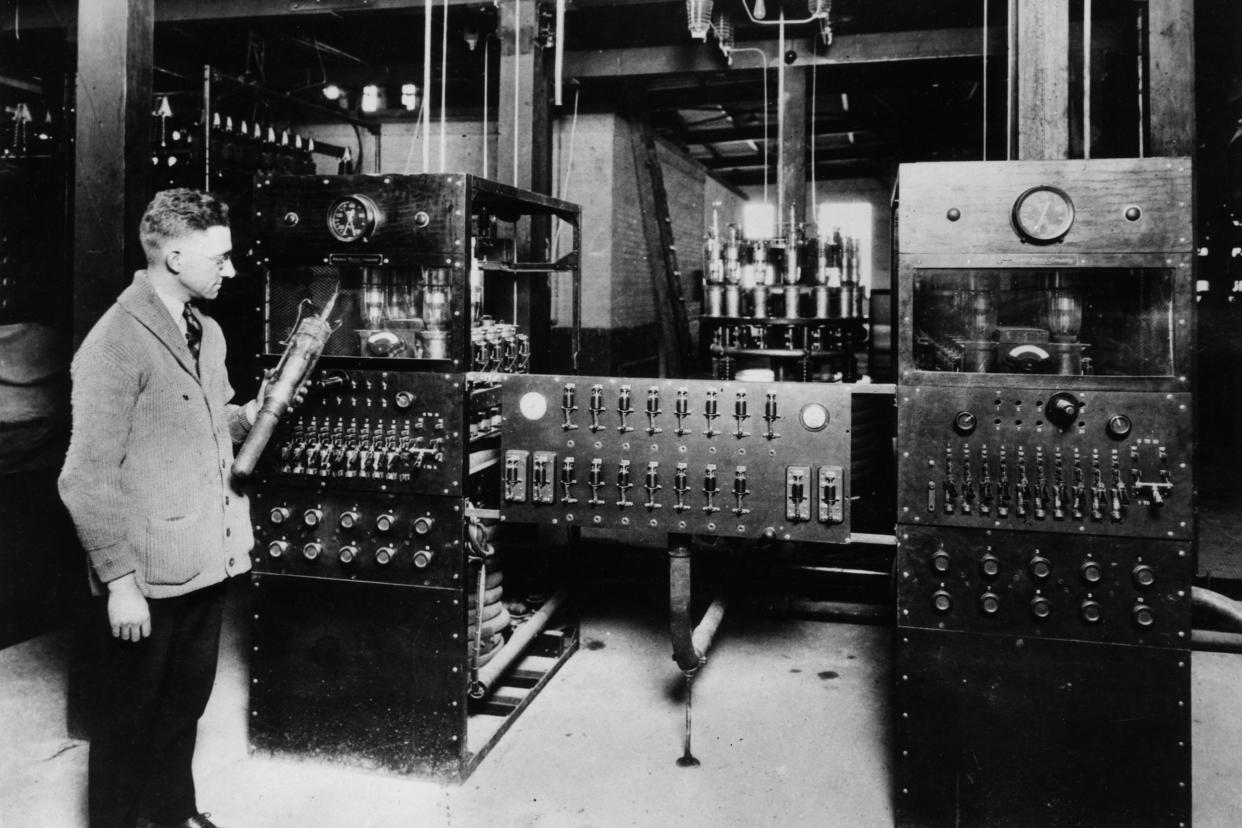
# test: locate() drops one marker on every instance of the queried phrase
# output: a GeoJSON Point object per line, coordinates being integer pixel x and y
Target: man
{"type": "Point", "coordinates": [147, 481]}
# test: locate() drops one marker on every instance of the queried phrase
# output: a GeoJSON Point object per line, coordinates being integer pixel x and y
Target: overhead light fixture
{"type": "Point", "coordinates": [819, 8]}
{"type": "Point", "coordinates": [699, 17]}
{"type": "Point", "coordinates": [332, 92]}
{"type": "Point", "coordinates": [409, 96]}
{"type": "Point", "coordinates": [372, 98]}
{"type": "Point", "coordinates": [471, 35]}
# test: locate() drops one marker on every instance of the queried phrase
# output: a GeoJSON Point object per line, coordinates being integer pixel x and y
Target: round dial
{"type": "Point", "coordinates": [351, 218]}
{"type": "Point", "coordinates": [1043, 215]}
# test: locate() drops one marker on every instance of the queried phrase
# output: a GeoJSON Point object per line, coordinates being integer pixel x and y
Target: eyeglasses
{"type": "Point", "coordinates": [219, 261]}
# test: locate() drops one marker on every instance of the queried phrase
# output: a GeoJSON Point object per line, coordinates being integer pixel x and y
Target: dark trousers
{"type": "Point", "coordinates": [151, 695]}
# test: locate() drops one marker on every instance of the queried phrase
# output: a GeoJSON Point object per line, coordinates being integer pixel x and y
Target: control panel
{"type": "Point", "coordinates": [1086, 461]}
{"type": "Point", "coordinates": [327, 533]}
{"type": "Point", "coordinates": [1037, 585]}
{"type": "Point", "coordinates": [654, 456]}
{"type": "Point", "coordinates": [369, 430]}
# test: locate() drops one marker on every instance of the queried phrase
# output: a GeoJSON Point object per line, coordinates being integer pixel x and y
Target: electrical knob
{"type": "Point", "coordinates": [404, 399]}
{"type": "Point", "coordinates": [277, 548]}
{"type": "Point", "coordinates": [1062, 409]}
{"type": "Point", "coordinates": [422, 558]}
{"type": "Point", "coordinates": [348, 519]}
{"type": "Point", "coordinates": [384, 555]}
{"type": "Point", "coordinates": [1091, 572]}
{"type": "Point", "coordinates": [1118, 426]}
{"type": "Point", "coordinates": [311, 550]}
{"type": "Point", "coordinates": [1040, 567]}
{"type": "Point", "coordinates": [942, 602]}
{"type": "Point", "coordinates": [1143, 575]}
{"type": "Point", "coordinates": [347, 554]}
{"type": "Point", "coordinates": [312, 517]}
{"type": "Point", "coordinates": [384, 522]}
{"type": "Point", "coordinates": [423, 524]}
{"type": "Point", "coordinates": [989, 603]}
{"type": "Point", "coordinates": [941, 562]}
{"type": "Point", "coordinates": [1143, 615]}
{"type": "Point", "coordinates": [1091, 612]}
{"type": "Point", "coordinates": [965, 422]}
{"type": "Point", "coordinates": [1040, 607]}
{"type": "Point", "coordinates": [990, 566]}
{"type": "Point", "coordinates": [279, 515]}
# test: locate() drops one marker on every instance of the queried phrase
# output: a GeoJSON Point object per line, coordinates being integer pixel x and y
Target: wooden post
{"type": "Point", "coordinates": [1043, 80]}
{"type": "Point", "coordinates": [1171, 73]}
{"type": "Point", "coordinates": [113, 150]}
{"type": "Point", "coordinates": [794, 144]}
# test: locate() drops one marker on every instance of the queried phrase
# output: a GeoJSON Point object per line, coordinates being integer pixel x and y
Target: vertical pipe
{"type": "Point", "coordinates": [1011, 76]}
{"type": "Point", "coordinates": [985, 80]}
{"type": "Point", "coordinates": [780, 126]}
{"type": "Point", "coordinates": [206, 136]}
{"type": "Point", "coordinates": [559, 68]}
{"type": "Point", "coordinates": [443, 79]}
{"type": "Point", "coordinates": [428, 8]}
{"type": "Point", "coordinates": [1086, 78]}
{"type": "Point", "coordinates": [517, 84]}
{"type": "Point", "coordinates": [1140, 12]}
{"type": "Point", "coordinates": [487, 60]}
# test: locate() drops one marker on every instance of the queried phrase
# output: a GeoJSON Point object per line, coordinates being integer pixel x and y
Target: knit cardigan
{"type": "Point", "coordinates": [147, 477]}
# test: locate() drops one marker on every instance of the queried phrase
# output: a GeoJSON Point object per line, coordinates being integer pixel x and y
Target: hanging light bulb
{"type": "Point", "coordinates": [699, 17]}
{"type": "Point", "coordinates": [825, 31]}
{"type": "Point", "coordinates": [761, 11]}
{"type": "Point", "coordinates": [819, 8]}
{"type": "Point", "coordinates": [723, 26]}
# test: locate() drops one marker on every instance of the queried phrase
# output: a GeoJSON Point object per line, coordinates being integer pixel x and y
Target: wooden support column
{"type": "Point", "coordinates": [1171, 72]}
{"type": "Point", "coordinates": [1043, 80]}
{"type": "Point", "coordinates": [794, 144]}
{"type": "Point", "coordinates": [113, 150]}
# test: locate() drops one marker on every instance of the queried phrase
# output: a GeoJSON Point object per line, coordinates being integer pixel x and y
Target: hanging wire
{"type": "Point", "coordinates": [428, 9]}
{"type": "Point", "coordinates": [814, 183]}
{"type": "Point", "coordinates": [487, 60]}
{"type": "Point", "coordinates": [1011, 78]}
{"type": "Point", "coordinates": [517, 83]}
{"type": "Point", "coordinates": [1086, 78]}
{"type": "Point", "coordinates": [985, 80]}
{"type": "Point", "coordinates": [569, 169]}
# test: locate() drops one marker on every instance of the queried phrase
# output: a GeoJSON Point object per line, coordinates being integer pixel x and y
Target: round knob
{"type": "Point", "coordinates": [383, 555]}
{"type": "Point", "coordinates": [277, 548]}
{"type": "Point", "coordinates": [404, 399]}
{"type": "Point", "coordinates": [311, 550]}
{"type": "Point", "coordinates": [990, 566]}
{"type": "Point", "coordinates": [1040, 607]}
{"type": "Point", "coordinates": [1062, 409]}
{"type": "Point", "coordinates": [422, 558]}
{"type": "Point", "coordinates": [1143, 575]}
{"type": "Point", "coordinates": [348, 519]}
{"type": "Point", "coordinates": [989, 603]}
{"type": "Point", "coordinates": [965, 422]}
{"type": "Point", "coordinates": [1133, 213]}
{"type": "Point", "coordinates": [1091, 572]}
{"type": "Point", "coordinates": [1143, 615]}
{"type": "Point", "coordinates": [940, 562]}
{"type": "Point", "coordinates": [278, 515]}
{"type": "Point", "coordinates": [423, 524]}
{"type": "Point", "coordinates": [290, 219]}
{"type": "Point", "coordinates": [421, 219]}
{"type": "Point", "coordinates": [311, 517]}
{"type": "Point", "coordinates": [347, 554]}
{"type": "Point", "coordinates": [384, 522]}
{"type": "Point", "coordinates": [1040, 567]}
{"type": "Point", "coordinates": [1091, 612]}
{"type": "Point", "coordinates": [942, 602]}
{"type": "Point", "coordinates": [953, 214]}
{"type": "Point", "coordinates": [1119, 426]}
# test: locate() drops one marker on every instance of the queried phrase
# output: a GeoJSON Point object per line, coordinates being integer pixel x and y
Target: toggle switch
{"type": "Point", "coordinates": [770, 416]}
{"type": "Point", "coordinates": [681, 486]}
{"type": "Point", "coordinates": [741, 413]}
{"type": "Point", "coordinates": [797, 503]}
{"type": "Point", "coordinates": [569, 404]}
{"type": "Point", "coordinates": [542, 490]}
{"type": "Point", "coordinates": [711, 410]}
{"type": "Point", "coordinates": [624, 483]}
{"type": "Point", "coordinates": [625, 408]}
{"type": "Point", "coordinates": [515, 476]}
{"type": "Point", "coordinates": [653, 409]}
{"type": "Point", "coordinates": [568, 481]}
{"type": "Point", "coordinates": [711, 488]}
{"type": "Point", "coordinates": [596, 407]}
{"type": "Point", "coordinates": [595, 480]}
{"type": "Point", "coordinates": [681, 409]}
{"type": "Point", "coordinates": [830, 495]}
{"type": "Point", "coordinates": [651, 483]}
{"type": "Point", "coordinates": [741, 490]}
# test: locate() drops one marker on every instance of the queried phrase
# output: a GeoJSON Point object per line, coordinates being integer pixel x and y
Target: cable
{"type": "Point", "coordinates": [443, 79]}
{"type": "Point", "coordinates": [487, 60]}
{"type": "Point", "coordinates": [428, 9]}
{"type": "Point", "coordinates": [569, 168]}
{"type": "Point", "coordinates": [985, 79]}
{"type": "Point", "coordinates": [517, 82]}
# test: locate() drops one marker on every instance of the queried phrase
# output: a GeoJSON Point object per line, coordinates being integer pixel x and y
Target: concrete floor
{"type": "Point", "coordinates": [791, 726]}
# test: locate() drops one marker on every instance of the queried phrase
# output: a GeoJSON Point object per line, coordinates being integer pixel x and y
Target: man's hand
{"type": "Point", "coordinates": [269, 376]}
{"type": "Point", "coordinates": [127, 610]}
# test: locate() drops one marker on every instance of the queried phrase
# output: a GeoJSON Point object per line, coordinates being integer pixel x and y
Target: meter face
{"type": "Point", "coordinates": [1043, 215]}
{"type": "Point", "coordinates": [351, 218]}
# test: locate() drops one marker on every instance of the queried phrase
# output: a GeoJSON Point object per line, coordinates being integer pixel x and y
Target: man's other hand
{"type": "Point", "coordinates": [127, 610]}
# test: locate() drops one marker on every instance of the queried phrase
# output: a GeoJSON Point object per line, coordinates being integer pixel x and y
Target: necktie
{"type": "Point", "coordinates": [193, 332]}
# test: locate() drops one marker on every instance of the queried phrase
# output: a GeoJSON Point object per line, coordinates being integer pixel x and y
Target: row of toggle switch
{"type": "Point", "coordinates": [1044, 484]}
{"type": "Point", "coordinates": [813, 417]}
{"type": "Point", "coordinates": [371, 450]}
{"type": "Point", "coordinates": [346, 554]}
{"type": "Point", "coordinates": [542, 479]}
{"type": "Point", "coordinates": [1040, 608]}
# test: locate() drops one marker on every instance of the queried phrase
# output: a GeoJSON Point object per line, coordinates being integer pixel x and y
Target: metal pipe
{"type": "Point", "coordinates": [690, 644]}
{"type": "Point", "coordinates": [516, 645]}
{"type": "Point", "coordinates": [1215, 642]}
{"type": "Point", "coordinates": [428, 9]}
{"type": "Point", "coordinates": [1086, 79]}
{"type": "Point", "coordinates": [1219, 607]}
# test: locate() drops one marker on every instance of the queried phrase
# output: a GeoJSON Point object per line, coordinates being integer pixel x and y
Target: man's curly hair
{"type": "Point", "coordinates": [173, 214]}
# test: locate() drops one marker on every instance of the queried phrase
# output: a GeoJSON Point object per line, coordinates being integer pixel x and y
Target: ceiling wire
{"type": "Point", "coordinates": [428, 8]}
{"type": "Point", "coordinates": [443, 79]}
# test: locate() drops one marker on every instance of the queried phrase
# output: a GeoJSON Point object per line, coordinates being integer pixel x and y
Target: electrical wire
{"type": "Point", "coordinates": [569, 169]}
{"type": "Point", "coordinates": [443, 79]}
{"type": "Point", "coordinates": [517, 83]}
{"type": "Point", "coordinates": [985, 79]}
{"type": "Point", "coordinates": [762, 54]}
{"type": "Point", "coordinates": [428, 9]}
{"type": "Point", "coordinates": [1086, 78]}
{"type": "Point", "coordinates": [487, 61]}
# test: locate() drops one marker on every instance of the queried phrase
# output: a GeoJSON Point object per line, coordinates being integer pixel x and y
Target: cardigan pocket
{"type": "Point", "coordinates": [171, 553]}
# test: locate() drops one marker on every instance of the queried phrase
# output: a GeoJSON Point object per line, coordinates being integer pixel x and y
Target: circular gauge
{"type": "Point", "coordinates": [351, 218]}
{"type": "Point", "coordinates": [1043, 215]}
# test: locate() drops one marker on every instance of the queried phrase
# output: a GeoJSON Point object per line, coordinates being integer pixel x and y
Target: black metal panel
{"type": "Point", "coordinates": [422, 544]}
{"type": "Point", "coordinates": [351, 417]}
{"type": "Point", "coordinates": [1011, 425]}
{"type": "Point", "coordinates": [535, 429]}
{"type": "Point", "coordinates": [362, 674]}
{"type": "Point", "coordinates": [1139, 588]}
{"type": "Point", "coordinates": [1018, 731]}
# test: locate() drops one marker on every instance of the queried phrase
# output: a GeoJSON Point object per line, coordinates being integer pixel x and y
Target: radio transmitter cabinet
{"type": "Point", "coordinates": [392, 627]}
{"type": "Point", "coordinates": [1045, 493]}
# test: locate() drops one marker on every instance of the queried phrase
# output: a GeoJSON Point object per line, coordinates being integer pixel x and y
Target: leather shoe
{"type": "Point", "coordinates": [196, 821]}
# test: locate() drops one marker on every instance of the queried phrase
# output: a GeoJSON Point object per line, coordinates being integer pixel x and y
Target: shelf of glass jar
{"type": "Point", "coordinates": [791, 338]}
{"type": "Point", "coordinates": [809, 302]}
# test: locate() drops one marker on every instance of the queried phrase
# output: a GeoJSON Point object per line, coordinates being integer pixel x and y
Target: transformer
{"type": "Point", "coordinates": [382, 635]}
{"type": "Point", "coordinates": [1045, 493]}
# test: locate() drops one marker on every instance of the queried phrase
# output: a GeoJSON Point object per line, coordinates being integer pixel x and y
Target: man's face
{"type": "Point", "coordinates": [203, 261]}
